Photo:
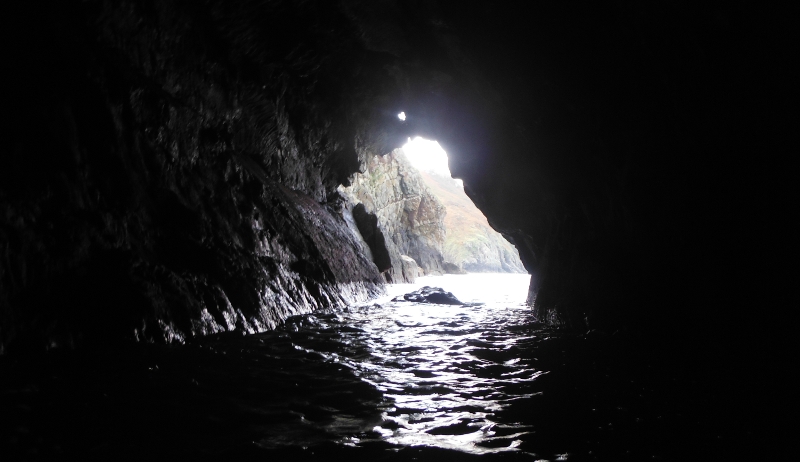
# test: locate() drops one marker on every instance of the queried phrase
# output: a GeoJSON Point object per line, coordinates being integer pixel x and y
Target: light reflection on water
{"type": "Point", "coordinates": [382, 381]}
{"type": "Point", "coordinates": [444, 371]}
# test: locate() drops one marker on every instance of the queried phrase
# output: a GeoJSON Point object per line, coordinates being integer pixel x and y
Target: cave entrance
{"type": "Point", "coordinates": [471, 244]}
{"type": "Point", "coordinates": [416, 220]}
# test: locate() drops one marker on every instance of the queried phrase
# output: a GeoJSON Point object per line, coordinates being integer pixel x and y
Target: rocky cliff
{"type": "Point", "coordinates": [408, 213]}
{"type": "Point", "coordinates": [470, 243]}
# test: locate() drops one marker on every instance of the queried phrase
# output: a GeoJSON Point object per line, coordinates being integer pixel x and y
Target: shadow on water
{"type": "Point", "coordinates": [386, 381]}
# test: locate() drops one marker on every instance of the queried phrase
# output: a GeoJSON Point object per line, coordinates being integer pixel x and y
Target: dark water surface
{"type": "Point", "coordinates": [382, 381]}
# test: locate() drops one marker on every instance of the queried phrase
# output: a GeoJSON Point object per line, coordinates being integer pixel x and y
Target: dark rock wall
{"type": "Point", "coordinates": [372, 234]}
{"type": "Point", "coordinates": [169, 168]}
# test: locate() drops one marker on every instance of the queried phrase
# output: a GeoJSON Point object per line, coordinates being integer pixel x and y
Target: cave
{"type": "Point", "coordinates": [172, 171]}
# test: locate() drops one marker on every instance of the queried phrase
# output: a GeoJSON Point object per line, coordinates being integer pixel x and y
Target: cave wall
{"type": "Point", "coordinates": [164, 160]}
{"type": "Point", "coordinates": [170, 168]}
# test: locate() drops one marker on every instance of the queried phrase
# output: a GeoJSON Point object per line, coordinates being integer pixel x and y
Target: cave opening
{"type": "Point", "coordinates": [428, 220]}
{"type": "Point", "coordinates": [471, 243]}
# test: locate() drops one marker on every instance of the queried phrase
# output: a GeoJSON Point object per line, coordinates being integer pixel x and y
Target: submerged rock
{"type": "Point", "coordinates": [428, 294]}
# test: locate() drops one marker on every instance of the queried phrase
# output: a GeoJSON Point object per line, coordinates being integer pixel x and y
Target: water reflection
{"type": "Point", "coordinates": [444, 371]}
{"type": "Point", "coordinates": [384, 381]}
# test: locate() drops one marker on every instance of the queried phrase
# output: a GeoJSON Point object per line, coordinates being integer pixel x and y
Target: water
{"type": "Point", "coordinates": [381, 381]}
{"type": "Point", "coordinates": [444, 372]}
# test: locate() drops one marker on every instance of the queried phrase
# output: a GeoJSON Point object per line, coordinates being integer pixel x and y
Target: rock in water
{"type": "Point", "coordinates": [427, 294]}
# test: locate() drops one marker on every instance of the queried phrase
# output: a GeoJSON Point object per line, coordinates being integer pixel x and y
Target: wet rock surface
{"type": "Point", "coordinates": [172, 171]}
{"type": "Point", "coordinates": [428, 294]}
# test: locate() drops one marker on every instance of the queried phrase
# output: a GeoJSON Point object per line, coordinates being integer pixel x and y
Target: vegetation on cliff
{"type": "Point", "coordinates": [470, 243]}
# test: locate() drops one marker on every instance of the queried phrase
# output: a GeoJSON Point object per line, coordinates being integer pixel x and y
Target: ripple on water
{"type": "Point", "coordinates": [386, 381]}
{"type": "Point", "coordinates": [443, 372]}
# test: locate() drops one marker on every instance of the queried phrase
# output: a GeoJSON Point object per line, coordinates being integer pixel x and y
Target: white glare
{"type": "Point", "coordinates": [427, 156]}
{"type": "Point", "coordinates": [401, 116]}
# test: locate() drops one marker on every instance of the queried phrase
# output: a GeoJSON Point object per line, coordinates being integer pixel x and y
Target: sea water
{"type": "Point", "coordinates": [383, 380]}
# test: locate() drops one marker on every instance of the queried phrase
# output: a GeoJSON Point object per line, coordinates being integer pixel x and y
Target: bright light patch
{"type": "Point", "coordinates": [427, 155]}
{"type": "Point", "coordinates": [401, 116]}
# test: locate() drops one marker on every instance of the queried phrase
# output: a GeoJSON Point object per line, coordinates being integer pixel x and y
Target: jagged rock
{"type": "Point", "coordinates": [408, 213]}
{"type": "Point", "coordinates": [411, 271]}
{"type": "Point", "coordinates": [427, 294]}
{"type": "Point", "coordinates": [171, 173]}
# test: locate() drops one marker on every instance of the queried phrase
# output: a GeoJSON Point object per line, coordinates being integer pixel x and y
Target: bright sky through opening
{"type": "Point", "coordinates": [401, 116]}
{"type": "Point", "coordinates": [427, 155]}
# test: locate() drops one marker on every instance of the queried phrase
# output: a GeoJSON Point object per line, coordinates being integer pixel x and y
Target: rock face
{"type": "Point", "coordinates": [470, 244]}
{"type": "Point", "coordinates": [411, 270]}
{"type": "Point", "coordinates": [171, 171]}
{"type": "Point", "coordinates": [452, 268]}
{"type": "Point", "coordinates": [409, 214]}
